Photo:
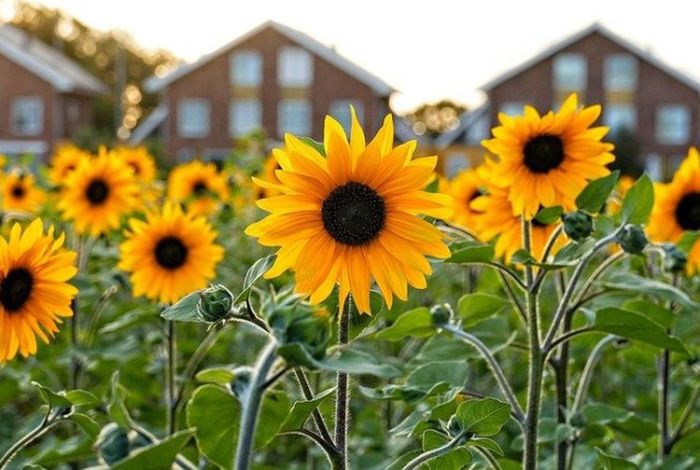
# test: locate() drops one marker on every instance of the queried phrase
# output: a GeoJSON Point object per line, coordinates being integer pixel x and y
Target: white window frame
{"type": "Point", "coordinates": [295, 67]}
{"type": "Point", "coordinates": [582, 76]}
{"type": "Point", "coordinates": [679, 132]}
{"type": "Point", "coordinates": [193, 129]}
{"type": "Point", "coordinates": [244, 116]}
{"type": "Point", "coordinates": [613, 79]}
{"type": "Point", "coordinates": [340, 110]}
{"type": "Point", "coordinates": [31, 107]}
{"type": "Point", "coordinates": [301, 126]}
{"type": "Point", "coordinates": [246, 68]}
{"type": "Point", "coordinates": [614, 122]}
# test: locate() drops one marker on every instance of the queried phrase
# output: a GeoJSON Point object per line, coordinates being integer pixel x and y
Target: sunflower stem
{"type": "Point", "coordinates": [437, 452]}
{"type": "Point", "coordinates": [342, 397]}
{"type": "Point", "coordinates": [75, 359]}
{"type": "Point", "coordinates": [170, 384]}
{"type": "Point", "coordinates": [42, 428]}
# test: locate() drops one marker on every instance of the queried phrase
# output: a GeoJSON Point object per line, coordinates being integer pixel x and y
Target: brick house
{"type": "Point", "coordinates": [272, 78]}
{"type": "Point", "coordinates": [44, 96]}
{"type": "Point", "coordinates": [655, 103]}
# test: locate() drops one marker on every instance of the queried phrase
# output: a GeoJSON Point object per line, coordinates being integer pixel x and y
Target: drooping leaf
{"type": "Point", "coordinates": [473, 308]}
{"type": "Point", "coordinates": [356, 362]}
{"type": "Point", "coordinates": [646, 286]}
{"type": "Point", "coordinates": [254, 273]}
{"type": "Point", "coordinates": [417, 323]}
{"type": "Point", "coordinates": [638, 202]}
{"type": "Point", "coordinates": [156, 456]}
{"type": "Point", "coordinates": [87, 424]}
{"type": "Point", "coordinates": [51, 398]}
{"type": "Point", "coordinates": [483, 417]}
{"type": "Point", "coordinates": [596, 193]}
{"type": "Point", "coordinates": [549, 215]}
{"type": "Point", "coordinates": [635, 326]}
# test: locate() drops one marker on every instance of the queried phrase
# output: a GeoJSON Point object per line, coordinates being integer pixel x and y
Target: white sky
{"type": "Point", "coordinates": [428, 50]}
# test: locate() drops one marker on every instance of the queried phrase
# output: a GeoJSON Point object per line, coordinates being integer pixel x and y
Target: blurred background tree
{"type": "Point", "coordinates": [434, 119]}
{"type": "Point", "coordinates": [627, 153]}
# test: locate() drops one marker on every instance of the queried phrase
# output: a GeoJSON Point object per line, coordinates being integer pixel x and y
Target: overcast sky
{"type": "Point", "coordinates": [428, 50]}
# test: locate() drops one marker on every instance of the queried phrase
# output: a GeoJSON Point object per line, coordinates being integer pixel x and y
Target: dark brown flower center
{"type": "Point", "coordinates": [199, 188]}
{"type": "Point", "coordinates": [171, 252]}
{"type": "Point", "coordinates": [97, 191]}
{"type": "Point", "coordinates": [688, 211]}
{"type": "Point", "coordinates": [18, 191]}
{"type": "Point", "coordinates": [353, 214]}
{"type": "Point", "coordinates": [135, 168]}
{"type": "Point", "coordinates": [15, 289]}
{"type": "Point", "coordinates": [544, 153]}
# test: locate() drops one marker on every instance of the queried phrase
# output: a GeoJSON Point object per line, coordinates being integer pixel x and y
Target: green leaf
{"type": "Point", "coordinates": [216, 416]}
{"type": "Point", "coordinates": [454, 373]}
{"type": "Point", "coordinates": [473, 308]}
{"type": "Point", "coordinates": [613, 463]}
{"type": "Point", "coordinates": [457, 458]}
{"type": "Point", "coordinates": [688, 240]}
{"type": "Point", "coordinates": [636, 327]}
{"type": "Point", "coordinates": [273, 411]}
{"type": "Point", "coordinates": [417, 323]}
{"type": "Point", "coordinates": [355, 362]}
{"type": "Point", "coordinates": [315, 144]}
{"type": "Point", "coordinates": [486, 443]}
{"type": "Point", "coordinates": [184, 309]}
{"type": "Point", "coordinates": [522, 256]}
{"type": "Point", "coordinates": [157, 456]}
{"type": "Point", "coordinates": [116, 408]}
{"type": "Point", "coordinates": [51, 398]}
{"type": "Point", "coordinates": [470, 252]}
{"type": "Point", "coordinates": [87, 424]}
{"type": "Point", "coordinates": [83, 399]}
{"type": "Point", "coordinates": [254, 273]}
{"type": "Point", "coordinates": [646, 286]}
{"type": "Point", "coordinates": [652, 311]}
{"type": "Point", "coordinates": [216, 375]}
{"type": "Point", "coordinates": [596, 193]}
{"type": "Point", "coordinates": [549, 215]}
{"type": "Point", "coordinates": [301, 411]}
{"type": "Point", "coordinates": [638, 202]}
{"type": "Point", "coordinates": [483, 417]}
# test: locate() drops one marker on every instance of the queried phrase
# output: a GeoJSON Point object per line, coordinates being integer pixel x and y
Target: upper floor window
{"type": "Point", "coordinates": [27, 115]}
{"type": "Point", "coordinates": [570, 72]}
{"type": "Point", "coordinates": [672, 124]}
{"type": "Point", "coordinates": [244, 116]}
{"type": "Point", "coordinates": [294, 67]}
{"type": "Point", "coordinates": [512, 108]}
{"type": "Point", "coordinates": [340, 109]}
{"type": "Point", "coordinates": [246, 68]}
{"type": "Point", "coordinates": [193, 117]}
{"type": "Point", "coordinates": [620, 116]}
{"type": "Point", "coordinates": [294, 116]}
{"type": "Point", "coordinates": [620, 72]}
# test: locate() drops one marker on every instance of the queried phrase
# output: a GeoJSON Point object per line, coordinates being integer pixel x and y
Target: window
{"type": "Point", "coordinates": [295, 67]}
{"type": "Point", "coordinates": [570, 72]}
{"type": "Point", "coordinates": [340, 109]}
{"type": "Point", "coordinates": [512, 108]}
{"type": "Point", "coordinates": [672, 124]}
{"type": "Point", "coordinates": [620, 72]}
{"type": "Point", "coordinates": [456, 162]}
{"type": "Point", "coordinates": [27, 115]}
{"type": "Point", "coordinates": [620, 116]}
{"type": "Point", "coordinates": [294, 116]}
{"type": "Point", "coordinates": [246, 68]}
{"type": "Point", "coordinates": [193, 117]}
{"type": "Point", "coordinates": [652, 166]}
{"type": "Point", "coordinates": [244, 116]}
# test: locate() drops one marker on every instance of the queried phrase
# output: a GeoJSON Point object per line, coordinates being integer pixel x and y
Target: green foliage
{"type": "Point", "coordinates": [596, 194]}
{"type": "Point", "coordinates": [638, 202]}
{"type": "Point", "coordinates": [484, 417]}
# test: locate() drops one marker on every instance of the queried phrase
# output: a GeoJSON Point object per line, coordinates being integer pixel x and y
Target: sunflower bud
{"type": "Point", "coordinates": [578, 225]}
{"type": "Point", "coordinates": [112, 444]}
{"type": "Point", "coordinates": [215, 303]}
{"type": "Point", "coordinates": [241, 380]}
{"type": "Point", "coordinates": [303, 325]}
{"type": "Point", "coordinates": [441, 314]}
{"type": "Point", "coordinates": [675, 259]}
{"type": "Point", "coordinates": [632, 239]}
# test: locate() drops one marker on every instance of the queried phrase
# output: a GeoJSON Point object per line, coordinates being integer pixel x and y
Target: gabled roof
{"type": "Point", "coordinates": [381, 88]}
{"type": "Point", "coordinates": [149, 125]}
{"type": "Point", "coordinates": [47, 63]}
{"type": "Point", "coordinates": [466, 121]}
{"type": "Point", "coordinates": [593, 28]}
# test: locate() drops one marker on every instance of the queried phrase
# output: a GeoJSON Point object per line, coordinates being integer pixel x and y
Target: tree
{"type": "Point", "coordinates": [627, 152]}
{"type": "Point", "coordinates": [435, 118]}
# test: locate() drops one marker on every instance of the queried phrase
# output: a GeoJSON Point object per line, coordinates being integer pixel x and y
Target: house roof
{"type": "Point", "coordinates": [381, 88]}
{"type": "Point", "coordinates": [466, 121]}
{"type": "Point", "coordinates": [593, 28]}
{"type": "Point", "coordinates": [47, 63]}
{"type": "Point", "coordinates": [149, 125]}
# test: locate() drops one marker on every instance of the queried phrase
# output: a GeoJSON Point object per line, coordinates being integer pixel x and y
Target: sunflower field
{"type": "Point", "coordinates": [338, 305]}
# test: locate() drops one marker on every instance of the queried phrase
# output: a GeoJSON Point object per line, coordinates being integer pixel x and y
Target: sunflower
{"type": "Point", "coordinates": [199, 186]}
{"type": "Point", "coordinates": [20, 193]}
{"type": "Point", "coordinates": [64, 162]}
{"type": "Point", "coordinates": [34, 288]}
{"type": "Point", "coordinates": [268, 175]}
{"type": "Point", "coordinates": [677, 207]}
{"type": "Point", "coordinates": [547, 160]}
{"type": "Point", "coordinates": [352, 216]}
{"type": "Point", "coordinates": [464, 188]}
{"type": "Point", "coordinates": [98, 193]}
{"type": "Point", "coordinates": [169, 254]}
{"type": "Point", "coordinates": [140, 161]}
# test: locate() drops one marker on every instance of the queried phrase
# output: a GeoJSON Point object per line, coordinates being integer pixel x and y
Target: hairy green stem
{"type": "Point", "coordinates": [342, 400]}
{"type": "Point", "coordinates": [309, 395]}
{"type": "Point", "coordinates": [170, 383]}
{"type": "Point", "coordinates": [45, 426]}
{"type": "Point", "coordinates": [437, 452]}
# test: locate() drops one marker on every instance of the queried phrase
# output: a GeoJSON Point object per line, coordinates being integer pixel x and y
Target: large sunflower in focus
{"type": "Point", "coordinates": [170, 254]}
{"type": "Point", "coordinates": [98, 193]}
{"type": "Point", "coordinates": [200, 186]}
{"type": "Point", "coordinates": [64, 162]}
{"type": "Point", "coordinates": [140, 161]}
{"type": "Point", "coordinates": [677, 207]}
{"type": "Point", "coordinates": [34, 289]}
{"type": "Point", "coordinates": [352, 216]}
{"type": "Point", "coordinates": [20, 193]}
{"type": "Point", "coordinates": [463, 189]}
{"type": "Point", "coordinates": [547, 160]}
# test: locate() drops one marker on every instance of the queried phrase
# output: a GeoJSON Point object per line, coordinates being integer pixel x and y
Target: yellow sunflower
{"type": "Point", "coordinates": [352, 216]}
{"type": "Point", "coordinates": [547, 160]}
{"type": "Point", "coordinates": [140, 161]}
{"type": "Point", "coordinates": [98, 193]}
{"type": "Point", "coordinates": [677, 207]}
{"type": "Point", "coordinates": [199, 186]}
{"type": "Point", "coordinates": [268, 175]}
{"type": "Point", "coordinates": [20, 193]}
{"type": "Point", "coordinates": [64, 162]}
{"type": "Point", "coordinates": [463, 189]}
{"type": "Point", "coordinates": [169, 254]}
{"type": "Point", "coordinates": [34, 289]}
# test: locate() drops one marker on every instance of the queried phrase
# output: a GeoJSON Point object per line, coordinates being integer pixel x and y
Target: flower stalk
{"type": "Point", "coordinates": [342, 401]}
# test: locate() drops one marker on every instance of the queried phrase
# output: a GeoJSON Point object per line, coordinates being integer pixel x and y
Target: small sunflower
{"type": "Point", "coordinates": [64, 162]}
{"type": "Point", "coordinates": [140, 161]}
{"type": "Point", "coordinates": [169, 254]}
{"type": "Point", "coordinates": [268, 175]}
{"type": "Point", "coordinates": [98, 193]}
{"type": "Point", "coordinates": [352, 216]}
{"type": "Point", "coordinates": [547, 160]}
{"type": "Point", "coordinates": [20, 193]}
{"type": "Point", "coordinates": [464, 188]}
{"type": "Point", "coordinates": [200, 186]}
{"type": "Point", "coordinates": [677, 207]}
{"type": "Point", "coordinates": [34, 288]}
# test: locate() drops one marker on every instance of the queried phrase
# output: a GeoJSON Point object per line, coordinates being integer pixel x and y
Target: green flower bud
{"type": "Point", "coordinates": [675, 259]}
{"type": "Point", "coordinates": [578, 225]}
{"type": "Point", "coordinates": [632, 239]}
{"type": "Point", "coordinates": [241, 380]}
{"type": "Point", "coordinates": [215, 303]}
{"type": "Point", "coordinates": [112, 444]}
{"type": "Point", "coordinates": [441, 314]}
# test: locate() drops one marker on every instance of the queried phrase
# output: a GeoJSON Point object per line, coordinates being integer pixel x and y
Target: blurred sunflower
{"type": "Point", "coordinates": [615, 202]}
{"type": "Point", "coordinates": [64, 162]}
{"type": "Point", "coordinates": [199, 186]}
{"type": "Point", "coordinates": [170, 254]}
{"type": "Point", "coordinates": [352, 217]}
{"type": "Point", "coordinates": [463, 189]}
{"type": "Point", "coordinates": [20, 193]}
{"type": "Point", "coordinates": [140, 161]}
{"type": "Point", "coordinates": [547, 160]}
{"type": "Point", "coordinates": [268, 175]}
{"type": "Point", "coordinates": [677, 207]}
{"type": "Point", "coordinates": [34, 289]}
{"type": "Point", "coordinates": [98, 193]}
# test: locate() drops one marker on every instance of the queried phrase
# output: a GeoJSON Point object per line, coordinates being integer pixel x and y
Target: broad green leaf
{"type": "Point", "coordinates": [184, 309]}
{"type": "Point", "coordinates": [609, 462]}
{"type": "Point", "coordinates": [549, 215]}
{"type": "Point", "coordinates": [273, 411]}
{"type": "Point", "coordinates": [51, 398]}
{"type": "Point", "coordinates": [522, 256]}
{"type": "Point", "coordinates": [417, 323]}
{"type": "Point", "coordinates": [638, 202]}
{"type": "Point", "coordinates": [483, 417]}
{"type": "Point", "coordinates": [636, 327]}
{"type": "Point", "coordinates": [355, 362]}
{"type": "Point", "coordinates": [254, 273]}
{"type": "Point", "coordinates": [87, 424]}
{"type": "Point", "coordinates": [216, 415]}
{"type": "Point", "coordinates": [654, 312]}
{"type": "Point", "coordinates": [470, 252]}
{"type": "Point", "coordinates": [486, 443]}
{"type": "Point", "coordinates": [301, 411]}
{"type": "Point", "coordinates": [157, 456]}
{"type": "Point", "coordinates": [216, 375]}
{"type": "Point", "coordinates": [688, 240]}
{"type": "Point", "coordinates": [454, 373]}
{"type": "Point", "coordinates": [646, 286]}
{"type": "Point", "coordinates": [458, 457]}
{"type": "Point", "coordinates": [596, 193]}
{"type": "Point", "coordinates": [473, 308]}
{"type": "Point", "coordinates": [83, 399]}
